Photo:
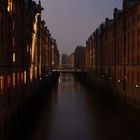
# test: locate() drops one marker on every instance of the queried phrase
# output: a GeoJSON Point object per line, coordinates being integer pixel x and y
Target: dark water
{"type": "Point", "coordinates": [73, 112]}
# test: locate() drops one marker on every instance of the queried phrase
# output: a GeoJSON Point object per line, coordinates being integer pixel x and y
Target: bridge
{"type": "Point", "coordinates": [69, 70]}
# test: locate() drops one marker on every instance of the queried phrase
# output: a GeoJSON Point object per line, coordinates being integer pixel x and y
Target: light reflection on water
{"type": "Point", "coordinates": [68, 116]}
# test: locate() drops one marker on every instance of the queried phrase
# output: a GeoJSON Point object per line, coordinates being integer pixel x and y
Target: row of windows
{"type": "Point", "coordinates": [12, 80]}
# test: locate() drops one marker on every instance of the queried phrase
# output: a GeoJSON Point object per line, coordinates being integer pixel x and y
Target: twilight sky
{"type": "Point", "coordinates": [71, 22]}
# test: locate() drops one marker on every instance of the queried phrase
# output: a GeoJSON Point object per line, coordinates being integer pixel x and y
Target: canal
{"type": "Point", "coordinates": [72, 111]}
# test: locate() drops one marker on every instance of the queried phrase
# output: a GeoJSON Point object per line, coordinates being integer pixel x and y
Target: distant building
{"type": "Point", "coordinates": [72, 58]}
{"type": "Point", "coordinates": [90, 54]}
{"type": "Point", "coordinates": [65, 62]}
{"type": "Point", "coordinates": [55, 55]}
{"type": "Point", "coordinates": [80, 58]}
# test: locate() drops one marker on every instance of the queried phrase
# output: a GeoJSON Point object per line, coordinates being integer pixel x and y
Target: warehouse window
{"type": "Point", "coordinates": [10, 5]}
{"type": "Point", "coordinates": [14, 57]}
{"type": "Point", "coordinates": [1, 84]}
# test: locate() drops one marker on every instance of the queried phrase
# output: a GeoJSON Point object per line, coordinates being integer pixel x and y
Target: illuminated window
{"type": "Point", "coordinates": [25, 77]}
{"type": "Point", "coordinates": [14, 57]}
{"type": "Point", "coordinates": [31, 74]}
{"type": "Point", "coordinates": [10, 5]}
{"type": "Point", "coordinates": [14, 79]}
{"type": "Point", "coordinates": [1, 83]}
{"type": "Point", "coordinates": [28, 48]}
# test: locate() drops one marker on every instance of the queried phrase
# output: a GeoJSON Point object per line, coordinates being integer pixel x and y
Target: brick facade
{"type": "Point", "coordinates": [117, 52]}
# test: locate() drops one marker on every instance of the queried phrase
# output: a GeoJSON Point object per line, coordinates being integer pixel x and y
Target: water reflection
{"type": "Point", "coordinates": [73, 112]}
{"type": "Point", "coordinates": [68, 117]}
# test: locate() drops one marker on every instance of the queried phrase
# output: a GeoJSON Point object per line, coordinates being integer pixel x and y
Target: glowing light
{"type": "Point", "coordinates": [119, 81]}
{"type": "Point", "coordinates": [31, 75]}
{"type": "Point", "coordinates": [25, 75]}
{"type": "Point", "coordinates": [59, 80]}
{"type": "Point", "coordinates": [36, 72]}
{"type": "Point", "coordinates": [34, 39]}
{"type": "Point", "coordinates": [14, 79]}
{"type": "Point", "coordinates": [33, 69]}
{"type": "Point", "coordinates": [1, 83]}
{"type": "Point", "coordinates": [137, 86]}
{"type": "Point", "coordinates": [28, 48]}
{"type": "Point", "coordinates": [10, 5]}
{"type": "Point", "coordinates": [14, 57]}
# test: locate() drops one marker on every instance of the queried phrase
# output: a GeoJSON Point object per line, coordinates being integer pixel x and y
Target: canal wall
{"type": "Point", "coordinates": [19, 103]}
{"type": "Point", "coordinates": [124, 100]}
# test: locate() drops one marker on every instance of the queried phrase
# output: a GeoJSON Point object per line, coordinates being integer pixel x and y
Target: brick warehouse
{"type": "Point", "coordinates": [25, 58]}
{"type": "Point", "coordinates": [117, 53]}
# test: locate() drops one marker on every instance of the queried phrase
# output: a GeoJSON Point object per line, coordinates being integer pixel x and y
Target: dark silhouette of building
{"type": "Point", "coordinates": [80, 57]}
{"type": "Point", "coordinates": [65, 61]}
{"type": "Point", "coordinates": [72, 63]}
